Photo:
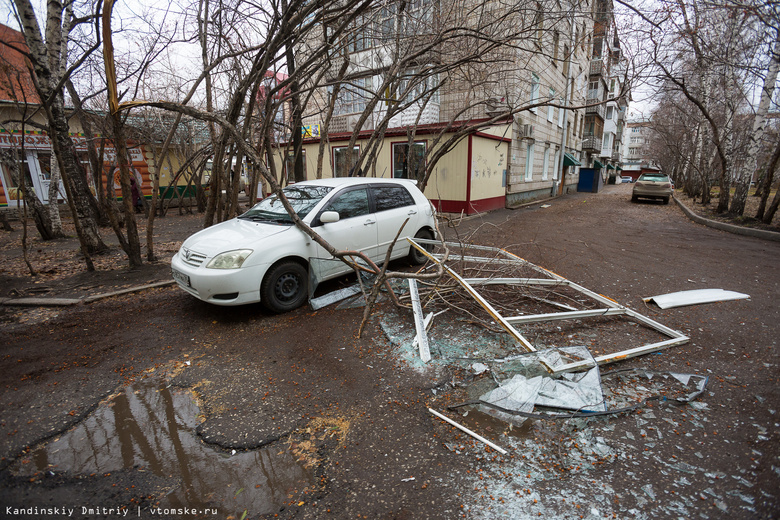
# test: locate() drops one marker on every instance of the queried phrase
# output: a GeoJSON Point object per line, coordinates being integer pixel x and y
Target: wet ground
{"type": "Point", "coordinates": [155, 402]}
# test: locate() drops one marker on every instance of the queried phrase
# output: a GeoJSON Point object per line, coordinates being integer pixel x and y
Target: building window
{"type": "Point", "coordinates": [386, 21]}
{"type": "Point", "coordinates": [556, 37]}
{"type": "Point", "coordinates": [289, 166]}
{"type": "Point", "coordinates": [546, 164]}
{"type": "Point", "coordinates": [341, 160]}
{"type": "Point", "coordinates": [534, 91]}
{"type": "Point", "coordinates": [539, 22]}
{"type": "Point", "coordinates": [11, 181]}
{"type": "Point", "coordinates": [358, 38]}
{"type": "Point", "coordinates": [560, 114]}
{"type": "Point", "coordinates": [408, 163]}
{"type": "Point", "coordinates": [529, 162]}
{"type": "Point", "coordinates": [353, 96]}
{"type": "Point", "coordinates": [550, 108]}
{"type": "Point", "coordinates": [555, 164]}
{"type": "Point", "coordinates": [418, 17]}
{"type": "Point", "coordinates": [418, 85]}
{"type": "Point", "coordinates": [610, 111]}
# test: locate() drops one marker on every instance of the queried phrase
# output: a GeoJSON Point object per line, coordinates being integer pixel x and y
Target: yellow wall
{"type": "Point", "coordinates": [488, 168]}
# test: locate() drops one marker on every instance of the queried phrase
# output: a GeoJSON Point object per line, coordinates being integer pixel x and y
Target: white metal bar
{"type": "Point", "coordinates": [620, 356]}
{"type": "Point", "coordinates": [463, 428]}
{"type": "Point", "coordinates": [553, 316]}
{"type": "Point", "coordinates": [515, 281]}
{"type": "Point", "coordinates": [484, 303]}
{"type": "Point", "coordinates": [613, 308]}
{"type": "Point", "coordinates": [419, 322]}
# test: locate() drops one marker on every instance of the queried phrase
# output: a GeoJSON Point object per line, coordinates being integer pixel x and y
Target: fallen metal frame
{"type": "Point", "coordinates": [611, 307]}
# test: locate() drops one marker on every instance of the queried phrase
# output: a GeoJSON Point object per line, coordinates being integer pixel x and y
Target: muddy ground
{"type": "Point", "coordinates": [295, 416]}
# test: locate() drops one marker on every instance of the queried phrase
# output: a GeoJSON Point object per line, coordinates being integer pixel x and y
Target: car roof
{"type": "Point", "coordinates": [337, 182]}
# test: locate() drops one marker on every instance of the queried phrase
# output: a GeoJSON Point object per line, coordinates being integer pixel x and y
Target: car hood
{"type": "Point", "coordinates": [232, 234]}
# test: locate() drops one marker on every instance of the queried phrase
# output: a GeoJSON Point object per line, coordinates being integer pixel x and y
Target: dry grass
{"type": "Point", "coordinates": [746, 220]}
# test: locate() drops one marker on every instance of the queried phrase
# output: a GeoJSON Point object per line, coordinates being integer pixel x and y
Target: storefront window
{"type": "Point", "coordinates": [408, 163]}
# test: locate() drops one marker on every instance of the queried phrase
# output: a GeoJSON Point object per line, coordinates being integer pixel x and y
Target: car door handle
{"type": "Point", "coordinates": [369, 222]}
{"type": "Point", "coordinates": [412, 212]}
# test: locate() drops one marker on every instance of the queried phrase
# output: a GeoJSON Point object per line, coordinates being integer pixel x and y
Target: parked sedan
{"type": "Point", "coordinates": [626, 178]}
{"type": "Point", "coordinates": [652, 186]}
{"type": "Point", "coordinates": [261, 256]}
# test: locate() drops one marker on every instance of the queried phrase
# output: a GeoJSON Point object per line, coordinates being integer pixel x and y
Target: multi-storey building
{"type": "Point", "coordinates": [512, 117]}
{"type": "Point", "coordinates": [636, 159]}
{"type": "Point", "coordinates": [608, 95]}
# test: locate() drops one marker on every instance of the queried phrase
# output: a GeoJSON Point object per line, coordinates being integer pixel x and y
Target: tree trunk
{"type": "Point", "coordinates": [54, 192]}
{"type": "Point", "coordinates": [770, 213]}
{"type": "Point", "coordinates": [133, 248]}
{"type": "Point", "coordinates": [83, 202]}
{"type": "Point", "coordinates": [752, 168]}
{"type": "Point", "coordinates": [769, 173]}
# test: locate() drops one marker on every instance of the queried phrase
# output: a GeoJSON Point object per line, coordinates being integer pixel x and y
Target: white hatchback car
{"type": "Point", "coordinates": [262, 256]}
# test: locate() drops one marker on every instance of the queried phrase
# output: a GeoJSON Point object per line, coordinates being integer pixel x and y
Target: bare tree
{"type": "Point", "coordinates": [715, 55]}
{"type": "Point", "coordinates": [46, 55]}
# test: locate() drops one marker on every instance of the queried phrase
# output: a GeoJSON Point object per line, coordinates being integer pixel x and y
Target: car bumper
{"type": "Point", "coordinates": [649, 192]}
{"type": "Point", "coordinates": [219, 286]}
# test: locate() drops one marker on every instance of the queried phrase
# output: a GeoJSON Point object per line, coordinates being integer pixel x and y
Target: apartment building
{"type": "Point", "coordinates": [636, 159]}
{"type": "Point", "coordinates": [492, 125]}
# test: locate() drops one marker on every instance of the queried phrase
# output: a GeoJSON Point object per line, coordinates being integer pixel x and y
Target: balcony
{"type": "Point", "coordinates": [596, 67]}
{"type": "Point", "coordinates": [591, 143]}
{"type": "Point", "coordinates": [595, 109]}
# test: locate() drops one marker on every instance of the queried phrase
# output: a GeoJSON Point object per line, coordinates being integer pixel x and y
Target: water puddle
{"type": "Point", "coordinates": [153, 427]}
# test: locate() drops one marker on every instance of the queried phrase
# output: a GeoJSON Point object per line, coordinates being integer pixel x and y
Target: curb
{"type": "Point", "coordinates": [731, 228]}
{"type": "Point", "coordinates": [67, 302]}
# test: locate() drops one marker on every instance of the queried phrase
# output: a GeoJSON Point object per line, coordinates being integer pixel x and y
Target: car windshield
{"type": "Point", "coordinates": [302, 199]}
{"type": "Point", "coordinates": [654, 178]}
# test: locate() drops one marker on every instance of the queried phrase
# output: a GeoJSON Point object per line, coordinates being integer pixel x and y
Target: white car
{"type": "Point", "coordinates": [261, 256]}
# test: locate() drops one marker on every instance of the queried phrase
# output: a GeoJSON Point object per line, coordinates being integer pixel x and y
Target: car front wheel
{"type": "Point", "coordinates": [285, 287]}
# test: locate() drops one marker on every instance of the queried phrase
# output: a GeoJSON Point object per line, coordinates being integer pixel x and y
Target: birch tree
{"type": "Point", "coordinates": [46, 55]}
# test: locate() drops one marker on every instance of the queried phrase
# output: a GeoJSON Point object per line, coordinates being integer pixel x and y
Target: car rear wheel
{"type": "Point", "coordinates": [416, 257]}
{"type": "Point", "coordinates": [285, 287]}
{"type": "Point", "coordinates": [634, 198]}
{"type": "Point", "coordinates": [666, 200]}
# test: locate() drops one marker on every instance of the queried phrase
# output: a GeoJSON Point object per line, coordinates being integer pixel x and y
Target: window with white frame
{"type": "Point", "coordinates": [534, 91]}
{"type": "Point", "coordinates": [555, 164]}
{"type": "Point", "coordinates": [419, 85]}
{"type": "Point", "coordinates": [418, 17]}
{"type": "Point", "coordinates": [560, 114]}
{"type": "Point", "coordinates": [352, 96]}
{"type": "Point", "coordinates": [610, 111]}
{"type": "Point", "coordinates": [358, 37]}
{"type": "Point", "coordinates": [546, 164]}
{"type": "Point", "coordinates": [550, 108]}
{"type": "Point", "coordinates": [529, 162]}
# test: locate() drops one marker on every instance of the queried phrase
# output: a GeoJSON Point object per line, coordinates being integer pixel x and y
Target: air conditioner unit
{"type": "Point", "coordinates": [493, 107]}
{"type": "Point", "coordinates": [526, 132]}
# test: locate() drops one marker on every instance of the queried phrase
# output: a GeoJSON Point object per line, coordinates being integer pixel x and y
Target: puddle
{"type": "Point", "coordinates": [152, 427]}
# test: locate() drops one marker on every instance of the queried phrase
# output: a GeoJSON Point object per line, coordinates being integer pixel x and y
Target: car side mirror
{"type": "Point", "coordinates": [329, 216]}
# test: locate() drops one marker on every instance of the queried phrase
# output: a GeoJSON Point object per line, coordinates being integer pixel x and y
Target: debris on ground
{"type": "Point", "coordinates": [694, 297]}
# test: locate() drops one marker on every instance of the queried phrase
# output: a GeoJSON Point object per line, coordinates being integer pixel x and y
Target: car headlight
{"type": "Point", "coordinates": [229, 259]}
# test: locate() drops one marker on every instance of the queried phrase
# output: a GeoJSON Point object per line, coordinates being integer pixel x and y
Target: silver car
{"type": "Point", "coordinates": [652, 186]}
